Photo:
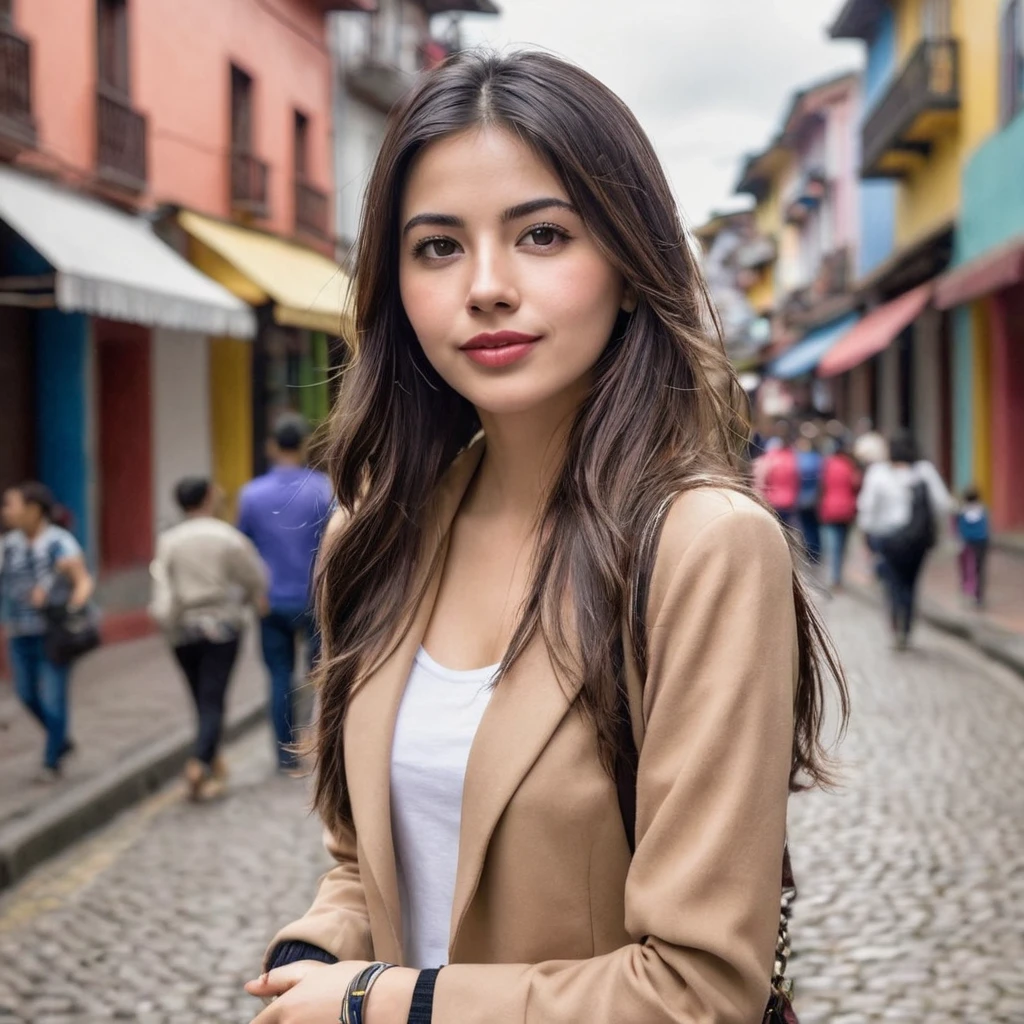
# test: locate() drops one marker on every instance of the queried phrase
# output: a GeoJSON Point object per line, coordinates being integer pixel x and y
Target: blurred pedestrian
{"type": "Point", "coordinates": [972, 528]}
{"type": "Point", "coordinates": [899, 509]}
{"type": "Point", "coordinates": [284, 513]}
{"type": "Point", "coordinates": [43, 575]}
{"type": "Point", "coordinates": [841, 479]}
{"type": "Point", "coordinates": [206, 576]}
{"type": "Point", "coordinates": [808, 465]}
{"type": "Point", "coordinates": [777, 478]}
{"type": "Point", "coordinates": [869, 446]}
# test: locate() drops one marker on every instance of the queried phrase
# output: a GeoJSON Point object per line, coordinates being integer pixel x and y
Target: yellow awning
{"type": "Point", "coordinates": [307, 289]}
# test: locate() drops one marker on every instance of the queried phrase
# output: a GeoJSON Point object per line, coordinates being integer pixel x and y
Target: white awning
{"type": "Point", "coordinates": [112, 264]}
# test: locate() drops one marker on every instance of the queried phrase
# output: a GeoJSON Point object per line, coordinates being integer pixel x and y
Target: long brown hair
{"type": "Point", "coordinates": [665, 412]}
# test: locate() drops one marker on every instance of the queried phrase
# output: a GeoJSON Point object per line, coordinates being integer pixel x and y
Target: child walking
{"type": "Point", "coordinates": [973, 530]}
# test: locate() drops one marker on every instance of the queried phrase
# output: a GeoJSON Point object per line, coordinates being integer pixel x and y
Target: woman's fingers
{"type": "Point", "coordinates": [281, 979]}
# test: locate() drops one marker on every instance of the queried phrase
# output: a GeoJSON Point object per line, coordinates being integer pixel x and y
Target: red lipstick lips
{"type": "Point", "coordinates": [500, 349]}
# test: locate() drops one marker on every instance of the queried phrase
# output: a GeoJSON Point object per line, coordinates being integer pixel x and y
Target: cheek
{"type": "Point", "coordinates": [585, 297]}
{"type": "Point", "coordinates": [427, 305]}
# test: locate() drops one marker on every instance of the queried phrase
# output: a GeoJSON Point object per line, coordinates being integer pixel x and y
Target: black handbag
{"type": "Point", "coordinates": [70, 633]}
{"type": "Point", "coordinates": [780, 1008]}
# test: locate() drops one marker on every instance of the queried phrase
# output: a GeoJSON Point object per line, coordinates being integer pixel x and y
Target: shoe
{"type": "Point", "coordinates": [195, 775]}
{"type": "Point", "coordinates": [69, 748]}
{"type": "Point", "coordinates": [46, 776]}
{"type": "Point", "coordinates": [211, 788]}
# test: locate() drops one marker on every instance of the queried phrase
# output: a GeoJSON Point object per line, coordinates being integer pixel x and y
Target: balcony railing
{"type": "Point", "coordinates": [904, 123]}
{"type": "Point", "coordinates": [120, 141]}
{"type": "Point", "coordinates": [249, 177]}
{"type": "Point", "coordinates": [17, 127]}
{"type": "Point", "coordinates": [311, 209]}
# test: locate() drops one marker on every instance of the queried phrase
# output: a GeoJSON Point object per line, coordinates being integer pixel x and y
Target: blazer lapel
{"type": "Point", "coordinates": [373, 708]}
{"type": "Point", "coordinates": [526, 708]}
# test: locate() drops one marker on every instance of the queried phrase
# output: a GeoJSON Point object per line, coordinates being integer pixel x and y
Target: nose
{"type": "Point", "coordinates": [493, 286]}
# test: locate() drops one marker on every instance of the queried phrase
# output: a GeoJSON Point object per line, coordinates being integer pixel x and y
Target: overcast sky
{"type": "Point", "coordinates": [708, 79]}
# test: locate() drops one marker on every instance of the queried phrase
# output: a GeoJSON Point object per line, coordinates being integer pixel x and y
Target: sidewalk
{"type": "Point", "coordinates": [132, 722]}
{"type": "Point", "coordinates": [997, 629]}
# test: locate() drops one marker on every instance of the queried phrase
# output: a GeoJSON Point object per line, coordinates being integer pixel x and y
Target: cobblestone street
{"type": "Point", "coordinates": [911, 874]}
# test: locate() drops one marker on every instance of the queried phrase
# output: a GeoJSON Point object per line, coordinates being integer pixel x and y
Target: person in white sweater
{"type": "Point", "coordinates": [899, 509]}
{"type": "Point", "coordinates": [206, 575]}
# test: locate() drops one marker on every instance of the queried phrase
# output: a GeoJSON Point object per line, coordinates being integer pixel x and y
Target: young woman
{"type": "Point", "coordinates": [506, 615]}
{"type": "Point", "coordinates": [42, 565]}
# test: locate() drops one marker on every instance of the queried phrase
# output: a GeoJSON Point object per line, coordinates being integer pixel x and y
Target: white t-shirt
{"type": "Point", "coordinates": [437, 721]}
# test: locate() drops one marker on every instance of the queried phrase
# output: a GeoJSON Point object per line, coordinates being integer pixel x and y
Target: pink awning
{"type": "Point", "coordinates": [1002, 268]}
{"type": "Point", "coordinates": [876, 332]}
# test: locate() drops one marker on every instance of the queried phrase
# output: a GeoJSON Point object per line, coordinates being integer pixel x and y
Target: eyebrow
{"type": "Point", "coordinates": [447, 220]}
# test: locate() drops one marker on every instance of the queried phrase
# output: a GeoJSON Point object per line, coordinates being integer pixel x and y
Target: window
{"type": "Point", "coordinates": [241, 111]}
{"type": "Point", "coordinates": [301, 146]}
{"type": "Point", "coordinates": [112, 44]}
{"type": "Point", "coordinates": [1012, 61]}
{"type": "Point", "coordinates": [936, 22]}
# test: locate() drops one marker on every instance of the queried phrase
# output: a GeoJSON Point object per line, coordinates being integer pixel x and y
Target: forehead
{"type": "Point", "coordinates": [477, 171]}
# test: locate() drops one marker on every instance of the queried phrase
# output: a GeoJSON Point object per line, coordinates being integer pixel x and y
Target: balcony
{"type": "Point", "coordinates": [249, 176]}
{"type": "Point", "coordinates": [17, 126]}
{"type": "Point", "coordinates": [311, 210]}
{"type": "Point", "coordinates": [378, 82]}
{"type": "Point", "coordinates": [919, 107]}
{"type": "Point", "coordinates": [120, 141]}
{"type": "Point", "coordinates": [806, 197]}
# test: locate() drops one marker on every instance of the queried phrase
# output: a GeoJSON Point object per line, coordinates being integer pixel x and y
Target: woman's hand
{"type": "Point", "coordinates": [308, 992]}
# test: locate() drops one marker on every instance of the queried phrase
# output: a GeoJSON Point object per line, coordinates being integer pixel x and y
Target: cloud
{"type": "Point", "coordinates": [708, 79]}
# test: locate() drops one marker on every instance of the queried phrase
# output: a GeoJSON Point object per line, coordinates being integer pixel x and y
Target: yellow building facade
{"type": "Point", "coordinates": [929, 198]}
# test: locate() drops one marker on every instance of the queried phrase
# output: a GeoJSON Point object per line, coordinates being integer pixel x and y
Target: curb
{"type": "Point", "coordinates": [43, 833]}
{"type": "Point", "coordinates": [995, 644]}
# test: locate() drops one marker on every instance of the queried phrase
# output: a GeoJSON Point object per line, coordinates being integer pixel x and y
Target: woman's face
{"type": "Point", "coordinates": [12, 513]}
{"type": "Point", "coordinates": [509, 295]}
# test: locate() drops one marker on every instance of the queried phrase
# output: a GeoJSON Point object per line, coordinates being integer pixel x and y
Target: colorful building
{"type": "Point", "coordinates": [984, 292]}
{"type": "Point", "coordinates": [931, 89]}
{"type": "Point", "coordinates": [803, 253]}
{"type": "Point", "coordinates": [127, 367]}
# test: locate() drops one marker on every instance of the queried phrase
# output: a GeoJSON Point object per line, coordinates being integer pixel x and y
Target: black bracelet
{"type": "Point", "coordinates": [422, 1009]}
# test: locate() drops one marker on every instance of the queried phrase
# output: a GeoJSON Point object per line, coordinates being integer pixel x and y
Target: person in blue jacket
{"type": "Point", "coordinates": [972, 528]}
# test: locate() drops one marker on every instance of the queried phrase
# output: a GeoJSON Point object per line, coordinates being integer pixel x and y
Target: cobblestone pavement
{"type": "Point", "coordinates": [911, 874]}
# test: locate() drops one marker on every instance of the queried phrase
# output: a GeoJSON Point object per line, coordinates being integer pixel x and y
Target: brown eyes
{"type": "Point", "coordinates": [543, 236]}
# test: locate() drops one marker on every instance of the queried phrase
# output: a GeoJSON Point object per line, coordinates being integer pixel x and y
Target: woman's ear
{"type": "Point", "coordinates": [629, 299]}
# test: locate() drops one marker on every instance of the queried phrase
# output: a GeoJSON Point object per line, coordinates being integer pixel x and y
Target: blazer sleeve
{"type": "Point", "coordinates": [337, 922]}
{"type": "Point", "coordinates": [703, 889]}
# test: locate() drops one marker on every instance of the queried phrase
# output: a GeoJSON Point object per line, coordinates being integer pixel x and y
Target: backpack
{"type": "Point", "coordinates": [908, 545]}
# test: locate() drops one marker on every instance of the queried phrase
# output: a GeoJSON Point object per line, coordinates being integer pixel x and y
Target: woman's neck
{"type": "Point", "coordinates": [524, 455]}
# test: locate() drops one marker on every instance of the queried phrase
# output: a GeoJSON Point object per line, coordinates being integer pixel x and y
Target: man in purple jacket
{"type": "Point", "coordinates": [284, 513]}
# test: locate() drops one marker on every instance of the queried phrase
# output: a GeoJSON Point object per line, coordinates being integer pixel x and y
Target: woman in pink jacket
{"type": "Point", "coordinates": [840, 482]}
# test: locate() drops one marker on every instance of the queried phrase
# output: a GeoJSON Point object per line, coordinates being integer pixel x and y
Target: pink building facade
{"type": "Point", "coordinates": [157, 108]}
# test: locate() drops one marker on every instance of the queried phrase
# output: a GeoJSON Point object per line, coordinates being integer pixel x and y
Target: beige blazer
{"type": "Point", "coordinates": [552, 922]}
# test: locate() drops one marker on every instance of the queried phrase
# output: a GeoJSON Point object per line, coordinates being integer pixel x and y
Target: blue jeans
{"type": "Point", "coordinates": [280, 632]}
{"type": "Point", "coordinates": [833, 541]}
{"type": "Point", "coordinates": [43, 688]}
